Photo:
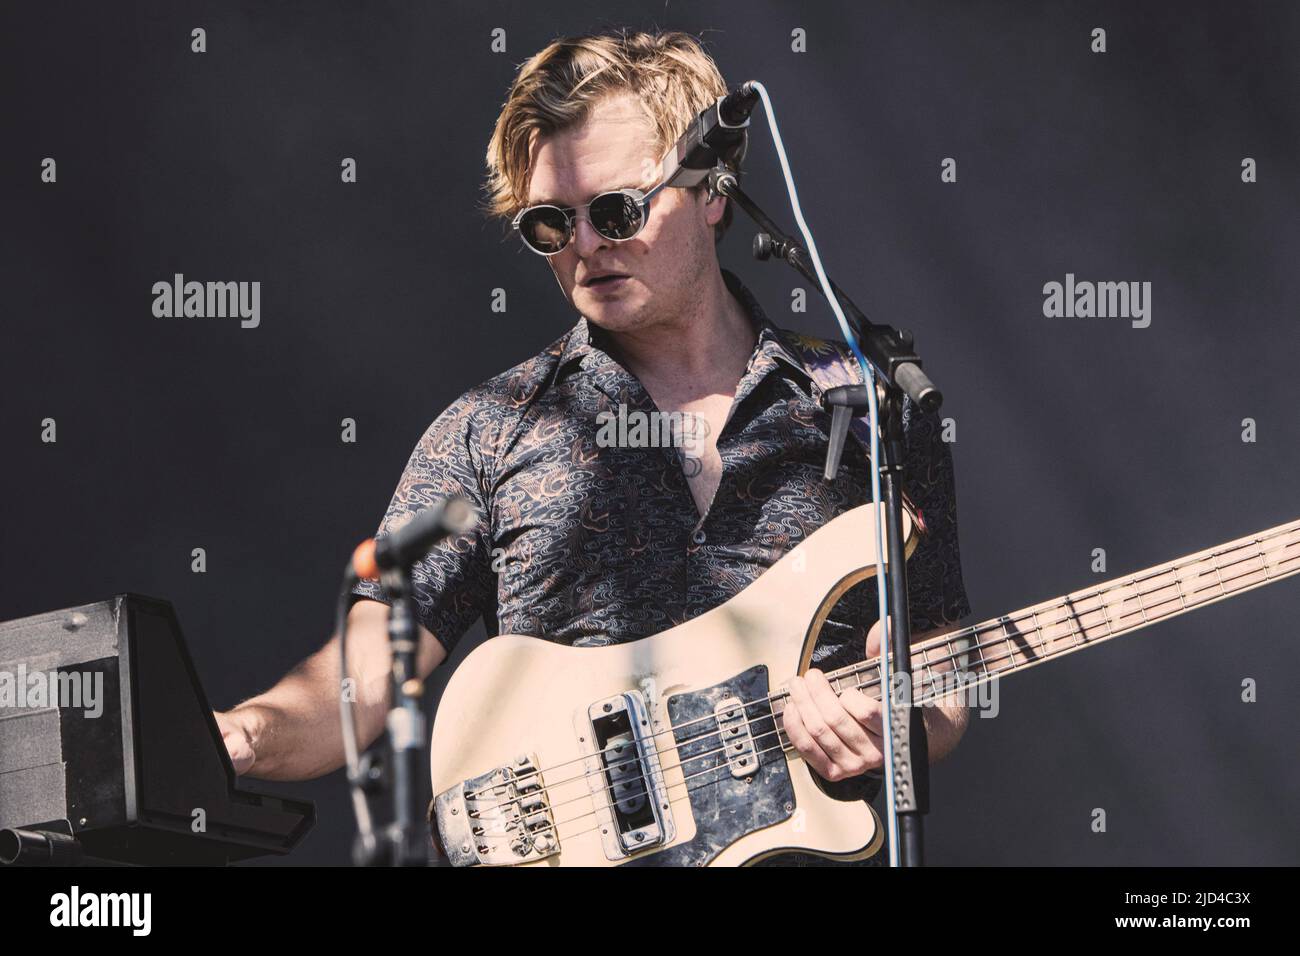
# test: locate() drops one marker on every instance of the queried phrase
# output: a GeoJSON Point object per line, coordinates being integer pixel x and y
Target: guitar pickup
{"type": "Point", "coordinates": [735, 737]}
{"type": "Point", "coordinates": [624, 776]}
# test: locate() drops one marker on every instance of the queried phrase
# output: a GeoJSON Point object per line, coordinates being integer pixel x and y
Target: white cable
{"type": "Point", "coordinates": [869, 377]}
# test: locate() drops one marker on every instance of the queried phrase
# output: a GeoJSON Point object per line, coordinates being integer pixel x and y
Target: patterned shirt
{"type": "Point", "coordinates": [588, 542]}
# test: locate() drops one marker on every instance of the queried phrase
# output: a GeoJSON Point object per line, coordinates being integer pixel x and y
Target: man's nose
{"type": "Point", "coordinates": [585, 238]}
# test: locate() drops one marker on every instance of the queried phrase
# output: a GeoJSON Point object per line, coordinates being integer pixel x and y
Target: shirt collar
{"type": "Point", "coordinates": [773, 347]}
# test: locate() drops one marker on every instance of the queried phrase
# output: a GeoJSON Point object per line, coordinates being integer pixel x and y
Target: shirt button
{"type": "Point", "coordinates": [699, 536]}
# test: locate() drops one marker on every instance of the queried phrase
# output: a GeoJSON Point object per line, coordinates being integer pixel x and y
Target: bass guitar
{"type": "Point", "coordinates": [670, 750]}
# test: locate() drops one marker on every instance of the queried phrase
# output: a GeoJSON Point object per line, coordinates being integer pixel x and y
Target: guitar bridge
{"type": "Point", "coordinates": [500, 818]}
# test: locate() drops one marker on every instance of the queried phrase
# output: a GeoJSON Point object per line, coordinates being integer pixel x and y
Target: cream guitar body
{"type": "Point", "coordinates": [561, 708]}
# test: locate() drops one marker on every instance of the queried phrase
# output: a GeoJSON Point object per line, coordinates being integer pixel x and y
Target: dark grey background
{"type": "Point", "coordinates": [1072, 434]}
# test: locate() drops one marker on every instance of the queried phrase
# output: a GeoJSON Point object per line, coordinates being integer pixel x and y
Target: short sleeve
{"type": "Point", "coordinates": [936, 591]}
{"type": "Point", "coordinates": [453, 585]}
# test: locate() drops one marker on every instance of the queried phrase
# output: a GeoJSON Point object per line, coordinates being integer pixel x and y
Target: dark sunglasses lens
{"type": "Point", "coordinates": [616, 215]}
{"type": "Point", "coordinates": [546, 229]}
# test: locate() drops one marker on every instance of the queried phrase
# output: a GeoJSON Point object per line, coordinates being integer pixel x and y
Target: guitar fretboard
{"type": "Point", "coordinates": [948, 664]}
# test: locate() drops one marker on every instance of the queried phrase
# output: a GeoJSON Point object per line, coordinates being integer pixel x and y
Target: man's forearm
{"type": "Point", "coordinates": [295, 729]}
{"type": "Point", "coordinates": [945, 723]}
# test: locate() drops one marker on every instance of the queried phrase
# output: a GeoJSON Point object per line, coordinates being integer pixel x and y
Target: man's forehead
{"type": "Point", "coordinates": [611, 149]}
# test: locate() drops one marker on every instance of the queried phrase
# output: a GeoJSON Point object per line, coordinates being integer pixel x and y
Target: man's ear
{"type": "Point", "coordinates": [714, 206]}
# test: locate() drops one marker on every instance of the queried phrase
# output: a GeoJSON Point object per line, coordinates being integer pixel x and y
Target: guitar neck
{"type": "Point", "coordinates": [1032, 635]}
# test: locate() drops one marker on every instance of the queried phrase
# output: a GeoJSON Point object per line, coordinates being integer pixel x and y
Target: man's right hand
{"type": "Point", "coordinates": [238, 741]}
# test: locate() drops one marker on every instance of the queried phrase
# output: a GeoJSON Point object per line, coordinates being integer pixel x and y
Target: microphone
{"type": "Point", "coordinates": [412, 541]}
{"type": "Point", "coordinates": [717, 134]}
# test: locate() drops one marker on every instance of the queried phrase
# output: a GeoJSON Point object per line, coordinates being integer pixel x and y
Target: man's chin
{"type": "Point", "coordinates": [612, 313]}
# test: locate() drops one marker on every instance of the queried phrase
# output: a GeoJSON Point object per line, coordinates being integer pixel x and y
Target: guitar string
{"type": "Point", "coordinates": [713, 769]}
{"type": "Point", "coordinates": [864, 667]}
{"type": "Point", "coordinates": [554, 827]}
{"type": "Point", "coordinates": [772, 716]}
{"type": "Point", "coordinates": [985, 662]}
{"type": "Point", "coordinates": [997, 623]}
{"type": "Point", "coordinates": [1077, 616]}
{"type": "Point", "coordinates": [689, 777]}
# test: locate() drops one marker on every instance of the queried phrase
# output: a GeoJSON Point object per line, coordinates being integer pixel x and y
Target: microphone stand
{"type": "Point", "coordinates": [390, 559]}
{"type": "Point", "coordinates": [405, 723]}
{"type": "Point", "coordinates": [899, 373]}
{"type": "Point", "coordinates": [401, 843]}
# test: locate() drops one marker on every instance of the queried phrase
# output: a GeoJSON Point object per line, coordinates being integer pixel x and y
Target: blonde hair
{"type": "Point", "coordinates": [668, 72]}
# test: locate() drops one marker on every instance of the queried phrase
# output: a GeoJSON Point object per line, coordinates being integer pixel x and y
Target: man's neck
{"type": "Point", "coordinates": [707, 346]}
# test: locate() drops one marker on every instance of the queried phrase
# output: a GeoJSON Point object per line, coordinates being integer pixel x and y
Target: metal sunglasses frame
{"type": "Point", "coordinates": [570, 214]}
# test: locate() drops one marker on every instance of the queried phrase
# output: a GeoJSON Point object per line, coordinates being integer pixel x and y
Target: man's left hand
{"type": "Point", "coordinates": [839, 735]}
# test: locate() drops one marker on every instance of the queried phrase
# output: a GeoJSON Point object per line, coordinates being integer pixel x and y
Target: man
{"type": "Point", "coordinates": [582, 541]}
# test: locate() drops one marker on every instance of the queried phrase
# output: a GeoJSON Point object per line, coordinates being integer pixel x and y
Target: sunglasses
{"type": "Point", "coordinates": [618, 215]}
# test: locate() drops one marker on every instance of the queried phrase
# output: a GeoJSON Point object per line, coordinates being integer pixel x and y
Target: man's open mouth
{"type": "Point", "coordinates": [603, 281]}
